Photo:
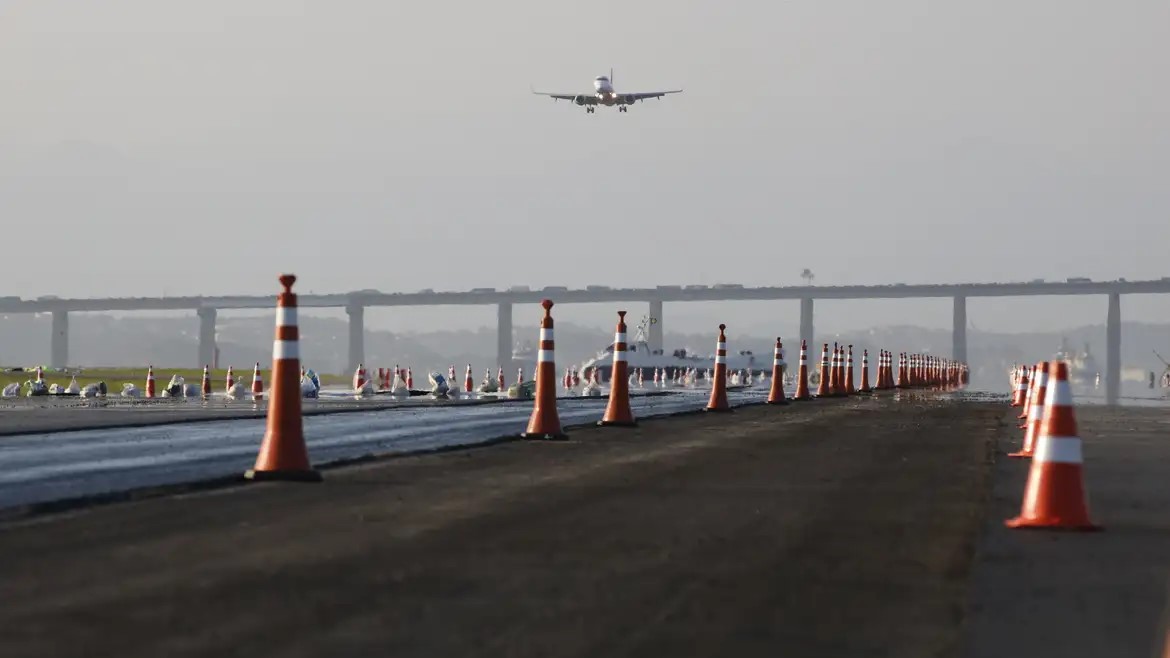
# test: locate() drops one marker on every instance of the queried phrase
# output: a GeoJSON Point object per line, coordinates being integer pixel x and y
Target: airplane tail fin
{"type": "Point", "coordinates": [611, 78]}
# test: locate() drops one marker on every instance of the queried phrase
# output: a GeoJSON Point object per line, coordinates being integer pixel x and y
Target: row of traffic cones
{"type": "Point", "coordinates": [1054, 496]}
{"type": "Point", "coordinates": [151, 390]}
{"type": "Point", "coordinates": [837, 376]}
{"type": "Point", "coordinates": [283, 454]}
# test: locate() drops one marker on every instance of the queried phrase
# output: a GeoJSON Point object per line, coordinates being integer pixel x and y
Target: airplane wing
{"type": "Point", "coordinates": [643, 95]}
{"type": "Point", "coordinates": [588, 99]}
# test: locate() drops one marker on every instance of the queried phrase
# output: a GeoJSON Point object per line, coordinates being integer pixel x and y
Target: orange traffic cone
{"type": "Point", "coordinates": [545, 423]}
{"type": "Point", "coordinates": [834, 374]}
{"type": "Point", "coordinates": [205, 385]}
{"type": "Point", "coordinates": [802, 393]}
{"type": "Point", "coordinates": [865, 388]}
{"type": "Point", "coordinates": [1055, 494]}
{"type": "Point", "coordinates": [468, 382]}
{"type": "Point", "coordinates": [1035, 412]}
{"type": "Point", "coordinates": [1028, 393]}
{"type": "Point", "coordinates": [617, 412]}
{"type": "Point", "coordinates": [149, 381]}
{"type": "Point", "coordinates": [718, 401]}
{"type": "Point", "coordinates": [849, 389]}
{"type": "Point", "coordinates": [283, 454]}
{"type": "Point", "coordinates": [230, 380]}
{"type": "Point", "coordinates": [823, 382]}
{"type": "Point", "coordinates": [776, 394]}
{"type": "Point", "coordinates": [257, 384]}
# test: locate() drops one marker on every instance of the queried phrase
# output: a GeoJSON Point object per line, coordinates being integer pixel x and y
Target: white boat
{"type": "Point", "coordinates": [639, 355]}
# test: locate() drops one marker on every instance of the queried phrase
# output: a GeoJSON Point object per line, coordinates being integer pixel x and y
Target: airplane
{"type": "Point", "coordinates": [604, 94]}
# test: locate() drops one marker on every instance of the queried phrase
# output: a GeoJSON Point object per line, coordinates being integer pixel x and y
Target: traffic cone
{"type": "Point", "coordinates": [617, 411]}
{"type": "Point", "coordinates": [544, 422]}
{"type": "Point", "coordinates": [865, 388]}
{"type": "Point", "coordinates": [849, 389]}
{"type": "Point", "coordinates": [205, 385]}
{"type": "Point", "coordinates": [1028, 393]}
{"type": "Point", "coordinates": [1035, 413]}
{"type": "Point", "coordinates": [823, 382]}
{"type": "Point", "coordinates": [718, 401]}
{"type": "Point", "coordinates": [409, 379]}
{"type": "Point", "coordinates": [802, 393]}
{"type": "Point", "coordinates": [359, 378]}
{"type": "Point", "coordinates": [500, 379]}
{"type": "Point", "coordinates": [1055, 494]}
{"type": "Point", "coordinates": [776, 393]}
{"type": "Point", "coordinates": [520, 375]}
{"type": "Point", "coordinates": [283, 454]}
{"type": "Point", "coordinates": [257, 384]}
{"type": "Point", "coordinates": [149, 381]}
{"type": "Point", "coordinates": [40, 374]}
{"type": "Point", "coordinates": [834, 374]}
{"type": "Point", "coordinates": [230, 380]}
{"type": "Point", "coordinates": [468, 383]}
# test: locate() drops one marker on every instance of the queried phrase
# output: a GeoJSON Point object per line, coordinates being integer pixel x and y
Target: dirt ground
{"type": "Point", "coordinates": [831, 528]}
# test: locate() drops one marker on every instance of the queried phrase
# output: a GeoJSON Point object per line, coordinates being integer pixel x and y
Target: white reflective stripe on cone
{"type": "Point", "coordinates": [1059, 395]}
{"type": "Point", "coordinates": [1058, 450]}
{"type": "Point", "coordinates": [286, 316]}
{"type": "Point", "coordinates": [285, 349]}
{"type": "Point", "coordinates": [619, 338]}
{"type": "Point", "coordinates": [544, 356]}
{"type": "Point", "coordinates": [546, 334]}
{"type": "Point", "coordinates": [619, 355]}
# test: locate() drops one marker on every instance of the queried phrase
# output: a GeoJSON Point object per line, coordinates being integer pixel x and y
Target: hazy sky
{"type": "Point", "coordinates": [200, 147]}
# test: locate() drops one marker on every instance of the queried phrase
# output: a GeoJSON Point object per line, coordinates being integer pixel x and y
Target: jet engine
{"type": "Point", "coordinates": [579, 99]}
{"type": "Point", "coordinates": [630, 100]}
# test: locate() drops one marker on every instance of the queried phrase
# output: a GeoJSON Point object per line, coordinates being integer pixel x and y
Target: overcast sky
{"type": "Point", "coordinates": [151, 146]}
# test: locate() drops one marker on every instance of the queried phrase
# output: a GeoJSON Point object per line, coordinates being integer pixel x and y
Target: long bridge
{"type": "Point", "coordinates": [355, 303]}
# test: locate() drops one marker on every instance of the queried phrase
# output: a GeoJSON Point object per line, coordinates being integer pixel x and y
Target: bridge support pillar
{"type": "Point", "coordinates": [504, 337]}
{"type": "Point", "coordinates": [206, 336]}
{"type": "Point", "coordinates": [806, 325]}
{"type": "Point", "coordinates": [59, 344]}
{"type": "Point", "coordinates": [1113, 350]}
{"type": "Point", "coordinates": [357, 335]}
{"type": "Point", "coordinates": [959, 330]}
{"type": "Point", "coordinates": [654, 339]}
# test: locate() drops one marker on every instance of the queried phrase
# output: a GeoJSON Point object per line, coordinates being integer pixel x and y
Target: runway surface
{"type": "Point", "coordinates": [63, 465]}
{"type": "Point", "coordinates": [832, 528]}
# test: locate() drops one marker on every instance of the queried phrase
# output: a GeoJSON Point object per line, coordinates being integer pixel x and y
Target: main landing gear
{"type": "Point", "coordinates": [623, 108]}
{"type": "Point", "coordinates": [590, 109]}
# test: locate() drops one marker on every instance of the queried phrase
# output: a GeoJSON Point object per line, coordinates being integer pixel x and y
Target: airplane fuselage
{"type": "Point", "coordinates": [605, 92]}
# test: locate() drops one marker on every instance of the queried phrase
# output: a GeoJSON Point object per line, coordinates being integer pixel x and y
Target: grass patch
{"type": "Point", "coordinates": [116, 377]}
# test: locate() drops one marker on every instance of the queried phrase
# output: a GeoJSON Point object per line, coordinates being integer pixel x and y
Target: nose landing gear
{"type": "Point", "coordinates": [623, 108]}
{"type": "Point", "coordinates": [589, 109]}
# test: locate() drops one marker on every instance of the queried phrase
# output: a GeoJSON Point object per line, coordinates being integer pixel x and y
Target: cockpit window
{"type": "Point", "coordinates": [602, 78]}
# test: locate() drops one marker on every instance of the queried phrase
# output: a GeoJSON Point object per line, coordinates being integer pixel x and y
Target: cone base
{"type": "Point", "coordinates": [781, 402]}
{"type": "Point", "coordinates": [617, 423]}
{"type": "Point", "coordinates": [537, 436]}
{"type": "Point", "coordinates": [283, 476]}
{"type": "Point", "coordinates": [1020, 523]}
{"type": "Point", "coordinates": [718, 409]}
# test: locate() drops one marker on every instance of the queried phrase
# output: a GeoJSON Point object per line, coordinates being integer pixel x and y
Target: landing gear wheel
{"type": "Point", "coordinates": [623, 109]}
